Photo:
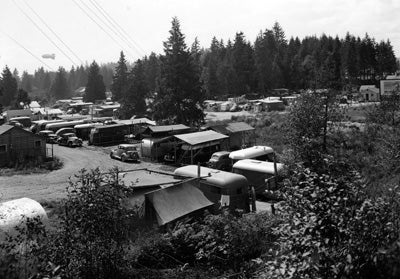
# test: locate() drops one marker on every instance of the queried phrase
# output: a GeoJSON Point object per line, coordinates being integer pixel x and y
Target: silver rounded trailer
{"type": "Point", "coordinates": [263, 153]}
{"type": "Point", "coordinates": [261, 175]}
{"type": "Point", "coordinates": [221, 187]}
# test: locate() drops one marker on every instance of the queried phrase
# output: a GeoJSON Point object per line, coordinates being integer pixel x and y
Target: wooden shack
{"type": "Point", "coordinates": [18, 145]}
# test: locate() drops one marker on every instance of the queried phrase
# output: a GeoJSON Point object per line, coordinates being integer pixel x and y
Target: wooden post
{"type": "Point", "coordinates": [198, 174]}
{"type": "Point", "coordinates": [275, 172]}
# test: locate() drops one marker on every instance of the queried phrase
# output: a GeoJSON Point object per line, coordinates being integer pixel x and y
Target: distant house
{"type": "Point", "coordinates": [268, 104]}
{"type": "Point", "coordinates": [226, 106]}
{"type": "Point", "coordinates": [18, 145]}
{"type": "Point", "coordinates": [369, 93]}
{"type": "Point", "coordinates": [109, 110]}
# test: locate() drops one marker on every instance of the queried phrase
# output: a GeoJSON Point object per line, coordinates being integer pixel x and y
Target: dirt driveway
{"type": "Point", "coordinates": [52, 185]}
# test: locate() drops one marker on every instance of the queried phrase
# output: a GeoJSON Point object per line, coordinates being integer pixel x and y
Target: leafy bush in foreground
{"type": "Point", "coordinates": [332, 229]}
{"type": "Point", "coordinates": [221, 242]}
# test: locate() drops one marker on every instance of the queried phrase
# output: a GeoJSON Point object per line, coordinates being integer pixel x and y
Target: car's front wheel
{"type": "Point", "coordinates": [123, 158]}
{"type": "Point", "coordinates": [69, 144]}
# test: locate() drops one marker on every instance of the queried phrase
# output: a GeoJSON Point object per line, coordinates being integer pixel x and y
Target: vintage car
{"type": "Point", "coordinates": [125, 152]}
{"type": "Point", "coordinates": [49, 136]}
{"type": "Point", "coordinates": [69, 139]}
{"type": "Point", "coordinates": [62, 131]}
{"type": "Point", "coordinates": [220, 160]}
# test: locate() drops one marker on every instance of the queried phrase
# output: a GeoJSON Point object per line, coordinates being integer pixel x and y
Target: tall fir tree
{"type": "Point", "coordinates": [17, 77]}
{"type": "Point", "coordinates": [152, 67]}
{"type": "Point", "coordinates": [120, 79]}
{"type": "Point", "coordinates": [26, 82]}
{"type": "Point", "coordinates": [60, 89]}
{"type": "Point", "coordinates": [180, 95]}
{"type": "Point", "coordinates": [10, 87]}
{"type": "Point", "coordinates": [133, 103]}
{"type": "Point", "coordinates": [95, 88]}
{"type": "Point", "coordinates": [22, 101]}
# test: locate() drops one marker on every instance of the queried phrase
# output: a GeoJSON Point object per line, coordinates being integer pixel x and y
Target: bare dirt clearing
{"type": "Point", "coordinates": [52, 185]}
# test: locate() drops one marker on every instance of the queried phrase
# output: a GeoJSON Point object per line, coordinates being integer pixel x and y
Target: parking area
{"type": "Point", "coordinates": [52, 186]}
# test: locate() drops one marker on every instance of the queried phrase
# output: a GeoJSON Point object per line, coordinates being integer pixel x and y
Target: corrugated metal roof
{"type": "Point", "coordinates": [177, 201]}
{"type": "Point", "coordinates": [235, 127]}
{"type": "Point", "coordinates": [168, 128]}
{"type": "Point", "coordinates": [5, 128]}
{"type": "Point", "coordinates": [201, 137]}
{"type": "Point", "coordinates": [222, 129]}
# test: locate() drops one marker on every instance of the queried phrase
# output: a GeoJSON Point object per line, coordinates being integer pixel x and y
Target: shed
{"type": "Point", "coordinates": [240, 133]}
{"type": "Point", "coordinates": [272, 104]}
{"type": "Point", "coordinates": [19, 145]}
{"type": "Point", "coordinates": [174, 202]}
{"type": "Point", "coordinates": [369, 93]}
{"type": "Point", "coordinates": [199, 144]}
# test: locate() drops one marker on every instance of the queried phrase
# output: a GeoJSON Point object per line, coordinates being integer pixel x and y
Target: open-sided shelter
{"type": "Point", "coordinates": [195, 145]}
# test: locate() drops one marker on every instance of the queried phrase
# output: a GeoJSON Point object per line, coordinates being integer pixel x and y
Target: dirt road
{"type": "Point", "coordinates": [52, 185]}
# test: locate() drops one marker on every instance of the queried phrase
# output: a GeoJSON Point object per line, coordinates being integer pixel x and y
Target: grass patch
{"type": "Point", "coordinates": [32, 167]}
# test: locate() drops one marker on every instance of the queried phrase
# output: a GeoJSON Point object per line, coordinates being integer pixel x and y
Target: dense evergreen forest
{"type": "Point", "coordinates": [237, 67]}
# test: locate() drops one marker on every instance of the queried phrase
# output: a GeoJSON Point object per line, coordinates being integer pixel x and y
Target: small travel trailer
{"type": "Point", "coordinates": [262, 153]}
{"type": "Point", "coordinates": [261, 175]}
{"type": "Point", "coordinates": [223, 188]}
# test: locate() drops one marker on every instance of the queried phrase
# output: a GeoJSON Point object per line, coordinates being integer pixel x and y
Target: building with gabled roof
{"type": "Point", "coordinates": [18, 145]}
{"type": "Point", "coordinates": [240, 133]}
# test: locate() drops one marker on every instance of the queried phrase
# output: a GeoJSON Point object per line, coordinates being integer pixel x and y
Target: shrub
{"type": "Point", "coordinates": [221, 242]}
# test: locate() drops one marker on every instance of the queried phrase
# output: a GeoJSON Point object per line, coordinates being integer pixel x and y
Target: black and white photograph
{"type": "Point", "coordinates": [199, 139]}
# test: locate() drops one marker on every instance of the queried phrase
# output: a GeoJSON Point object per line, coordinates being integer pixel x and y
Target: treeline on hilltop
{"type": "Point", "coordinates": [237, 67]}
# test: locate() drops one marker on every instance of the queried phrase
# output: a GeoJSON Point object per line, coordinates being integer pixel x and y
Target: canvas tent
{"type": "Point", "coordinates": [174, 202]}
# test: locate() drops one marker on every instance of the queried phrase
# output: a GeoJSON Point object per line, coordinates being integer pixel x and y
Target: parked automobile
{"type": "Point", "coordinates": [220, 160]}
{"type": "Point", "coordinates": [62, 131]}
{"type": "Point", "coordinates": [15, 123]}
{"type": "Point", "coordinates": [49, 136]}
{"type": "Point", "coordinates": [69, 139]}
{"type": "Point", "coordinates": [125, 152]}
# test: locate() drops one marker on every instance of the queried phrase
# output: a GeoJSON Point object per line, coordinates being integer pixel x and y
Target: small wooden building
{"type": "Point", "coordinates": [240, 134]}
{"type": "Point", "coordinates": [18, 145]}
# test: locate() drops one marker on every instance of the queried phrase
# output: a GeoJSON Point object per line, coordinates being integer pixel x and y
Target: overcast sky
{"type": "Point", "coordinates": [147, 23]}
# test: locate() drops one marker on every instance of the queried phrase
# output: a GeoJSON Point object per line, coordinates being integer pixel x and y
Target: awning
{"type": "Point", "coordinates": [200, 139]}
{"type": "Point", "coordinates": [176, 201]}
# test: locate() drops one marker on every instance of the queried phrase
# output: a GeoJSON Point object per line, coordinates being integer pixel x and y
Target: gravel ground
{"type": "Point", "coordinates": [52, 186]}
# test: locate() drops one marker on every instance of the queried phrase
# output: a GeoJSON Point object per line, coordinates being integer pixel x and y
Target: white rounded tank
{"type": "Point", "coordinates": [14, 213]}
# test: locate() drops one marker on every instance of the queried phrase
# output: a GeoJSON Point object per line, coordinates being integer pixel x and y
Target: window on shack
{"type": "Point", "coordinates": [38, 143]}
{"type": "Point", "coordinates": [3, 148]}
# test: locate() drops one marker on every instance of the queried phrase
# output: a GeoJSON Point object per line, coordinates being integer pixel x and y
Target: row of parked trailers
{"type": "Point", "coordinates": [96, 130]}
